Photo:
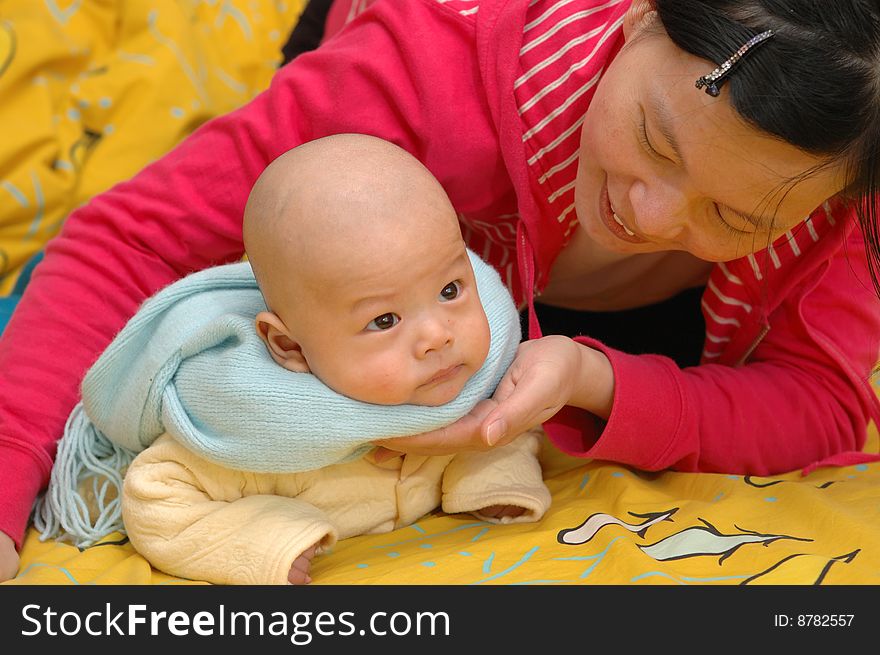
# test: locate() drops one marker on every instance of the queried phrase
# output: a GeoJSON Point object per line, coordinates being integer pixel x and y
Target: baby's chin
{"type": "Point", "coordinates": [436, 397]}
{"type": "Point", "coordinates": [433, 397]}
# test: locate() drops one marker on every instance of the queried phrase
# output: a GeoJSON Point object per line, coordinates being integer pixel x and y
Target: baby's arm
{"type": "Point", "coordinates": [502, 485]}
{"type": "Point", "coordinates": [192, 519]}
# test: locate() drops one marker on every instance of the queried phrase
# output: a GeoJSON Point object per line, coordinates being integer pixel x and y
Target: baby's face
{"type": "Point", "coordinates": [406, 326]}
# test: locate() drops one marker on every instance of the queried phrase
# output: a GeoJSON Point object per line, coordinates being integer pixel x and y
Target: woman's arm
{"type": "Point", "coordinates": [804, 395]}
{"type": "Point", "coordinates": [183, 213]}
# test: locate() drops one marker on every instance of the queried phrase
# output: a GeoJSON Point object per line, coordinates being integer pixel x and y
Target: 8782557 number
{"type": "Point", "coordinates": [813, 620]}
{"type": "Point", "coordinates": [824, 620]}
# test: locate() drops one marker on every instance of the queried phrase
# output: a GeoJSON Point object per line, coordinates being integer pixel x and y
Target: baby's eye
{"type": "Point", "coordinates": [383, 322]}
{"type": "Point", "coordinates": [450, 291]}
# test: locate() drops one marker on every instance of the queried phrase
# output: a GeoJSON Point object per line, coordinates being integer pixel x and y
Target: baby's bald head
{"type": "Point", "coordinates": [368, 283]}
{"type": "Point", "coordinates": [318, 209]}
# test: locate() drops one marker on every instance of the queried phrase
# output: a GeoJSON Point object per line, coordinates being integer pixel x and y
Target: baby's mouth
{"type": "Point", "coordinates": [444, 375]}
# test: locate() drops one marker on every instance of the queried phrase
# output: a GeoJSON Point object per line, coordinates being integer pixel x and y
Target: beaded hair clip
{"type": "Point", "coordinates": [716, 77]}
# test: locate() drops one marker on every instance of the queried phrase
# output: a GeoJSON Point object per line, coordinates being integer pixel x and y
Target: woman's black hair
{"type": "Point", "coordinates": [814, 84]}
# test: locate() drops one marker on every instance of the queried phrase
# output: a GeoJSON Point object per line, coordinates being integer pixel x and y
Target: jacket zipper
{"type": "Point", "coordinates": [751, 349]}
{"type": "Point", "coordinates": [526, 263]}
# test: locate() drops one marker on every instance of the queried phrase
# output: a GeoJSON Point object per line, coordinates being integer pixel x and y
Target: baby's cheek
{"type": "Point", "coordinates": [478, 341]}
{"type": "Point", "coordinates": [387, 383]}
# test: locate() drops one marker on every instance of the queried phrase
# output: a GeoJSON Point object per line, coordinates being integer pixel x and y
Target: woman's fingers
{"type": "Point", "coordinates": [528, 404]}
{"type": "Point", "coordinates": [464, 434]}
{"type": "Point", "coordinates": [9, 560]}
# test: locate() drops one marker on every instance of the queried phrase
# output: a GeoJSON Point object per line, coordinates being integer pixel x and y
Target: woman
{"type": "Point", "coordinates": [594, 159]}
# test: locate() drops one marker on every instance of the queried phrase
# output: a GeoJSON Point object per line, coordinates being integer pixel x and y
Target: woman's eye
{"type": "Point", "coordinates": [643, 138]}
{"type": "Point", "coordinates": [383, 322]}
{"type": "Point", "coordinates": [450, 291]}
{"type": "Point", "coordinates": [727, 226]}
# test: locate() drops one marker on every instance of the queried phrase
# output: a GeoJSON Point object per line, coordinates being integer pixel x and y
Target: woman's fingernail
{"type": "Point", "coordinates": [495, 431]}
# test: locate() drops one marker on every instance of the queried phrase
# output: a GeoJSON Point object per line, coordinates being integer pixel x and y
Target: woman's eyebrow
{"type": "Point", "coordinates": [663, 119]}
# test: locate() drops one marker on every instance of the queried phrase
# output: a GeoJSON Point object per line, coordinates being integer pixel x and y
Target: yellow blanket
{"type": "Point", "coordinates": [607, 525]}
{"type": "Point", "coordinates": [93, 90]}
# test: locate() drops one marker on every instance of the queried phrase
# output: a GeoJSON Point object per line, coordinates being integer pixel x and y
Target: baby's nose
{"type": "Point", "coordinates": [435, 335]}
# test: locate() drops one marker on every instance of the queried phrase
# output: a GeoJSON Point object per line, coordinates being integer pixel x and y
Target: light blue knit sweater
{"type": "Point", "coordinates": [191, 364]}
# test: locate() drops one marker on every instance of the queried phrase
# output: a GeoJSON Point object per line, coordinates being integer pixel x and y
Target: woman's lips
{"type": "Point", "coordinates": [612, 222]}
{"type": "Point", "coordinates": [620, 223]}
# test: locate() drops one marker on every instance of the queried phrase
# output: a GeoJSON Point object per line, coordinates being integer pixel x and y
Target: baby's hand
{"type": "Point", "coordinates": [299, 570]}
{"type": "Point", "coordinates": [500, 511]}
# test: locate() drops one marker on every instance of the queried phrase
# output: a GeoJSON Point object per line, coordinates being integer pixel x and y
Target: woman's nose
{"type": "Point", "coordinates": [659, 209]}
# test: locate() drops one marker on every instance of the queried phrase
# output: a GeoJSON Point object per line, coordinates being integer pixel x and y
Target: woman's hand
{"type": "Point", "coordinates": [9, 561]}
{"type": "Point", "coordinates": [547, 374]}
{"type": "Point", "coordinates": [464, 434]}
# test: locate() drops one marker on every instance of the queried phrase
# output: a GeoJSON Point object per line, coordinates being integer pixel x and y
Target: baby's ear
{"type": "Point", "coordinates": [284, 350]}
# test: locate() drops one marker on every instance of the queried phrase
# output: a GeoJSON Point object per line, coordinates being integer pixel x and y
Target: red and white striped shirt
{"type": "Point", "coordinates": [566, 46]}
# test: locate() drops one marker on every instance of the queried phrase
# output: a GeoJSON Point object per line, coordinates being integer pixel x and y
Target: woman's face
{"type": "Point", "coordinates": [679, 168]}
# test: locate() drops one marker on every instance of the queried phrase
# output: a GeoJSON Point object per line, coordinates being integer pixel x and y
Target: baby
{"type": "Point", "coordinates": [369, 287]}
